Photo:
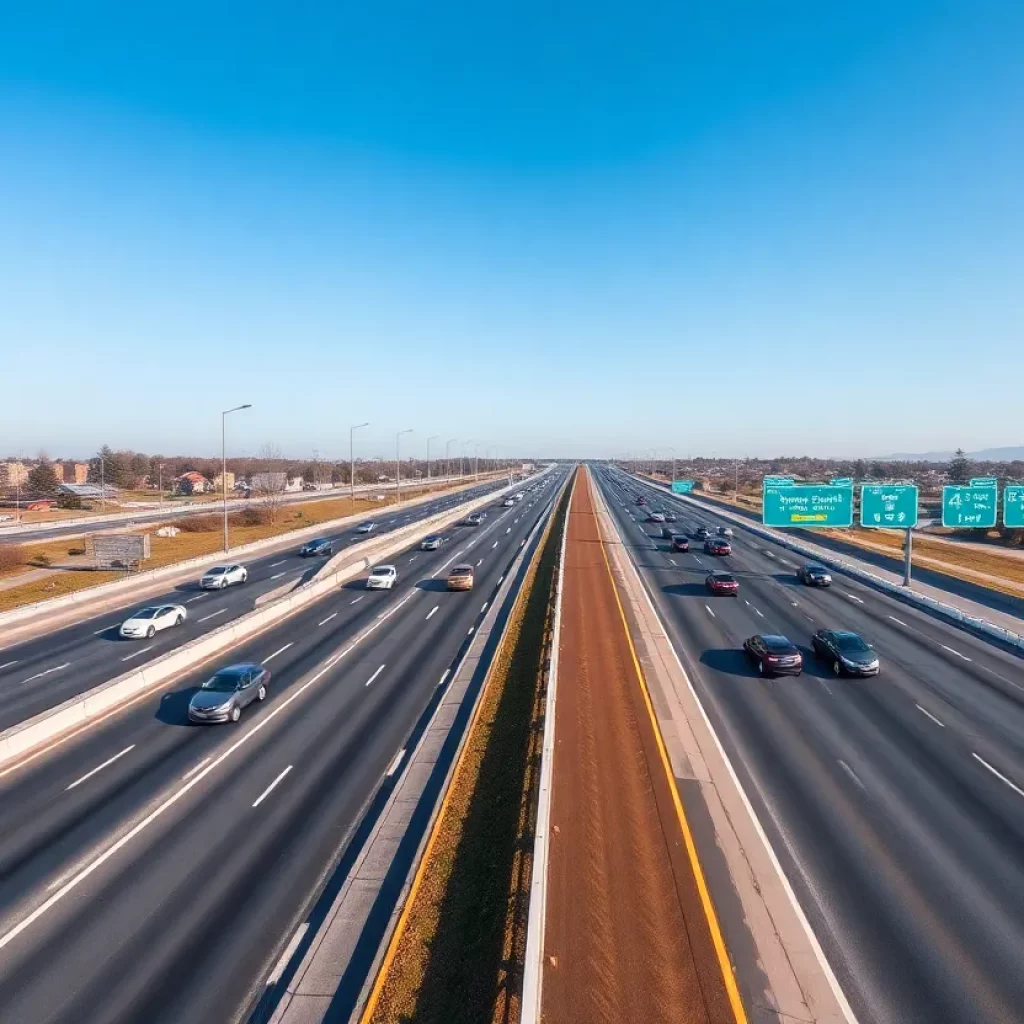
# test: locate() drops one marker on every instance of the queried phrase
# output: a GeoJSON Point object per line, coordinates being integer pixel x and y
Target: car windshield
{"type": "Point", "coordinates": [850, 643]}
{"type": "Point", "coordinates": [462, 570]}
{"type": "Point", "coordinates": [778, 644]}
{"type": "Point", "coordinates": [724, 577]}
{"type": "Point", "coordinates": [817, 569]}
{"type": "Point", "coordinates": [146, 613]}
{"type": "Point", "coordinates": [217, 570]}
{"type": "Point", "coordinates": [222, 682]}
{"type": "Point", "coordinates": [381, 570]}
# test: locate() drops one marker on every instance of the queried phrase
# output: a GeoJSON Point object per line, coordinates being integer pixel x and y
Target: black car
{"type": "Point", "coordinates": [774, 655]}
{"type": "Point", "coordinates": [670, 517]}
{"type": "Point", "coordinates": [680, 542]}
{"type": "Point", "coordinates": [814, 576]}
{"type": "Point", "coordinates": [667, 532]}
{"type": "Point", "coordinates": [847, 653]}
{"type": "Point", "coordinates": [474, 519]}
{"type": "Point", "coordinates": [320, 546]}
{"type": "Point", "coordinates": [702, 533]}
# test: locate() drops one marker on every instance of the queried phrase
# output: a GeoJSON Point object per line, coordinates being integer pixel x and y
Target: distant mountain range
{"type": "Point", "coordinates": [1011, 454]}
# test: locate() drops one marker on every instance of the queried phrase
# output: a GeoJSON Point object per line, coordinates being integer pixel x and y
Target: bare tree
{"type": "Point", "coordinates": [268, 485]}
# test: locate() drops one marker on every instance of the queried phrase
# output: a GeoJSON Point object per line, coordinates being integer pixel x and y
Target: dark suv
{"type": "Point", "coordinates": [814, 576]}
{"type": "Point", "coordinates": [320, 546]}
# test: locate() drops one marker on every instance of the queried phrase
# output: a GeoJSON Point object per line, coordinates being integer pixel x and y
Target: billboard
{"type": "Point", "coordinates": [118, 550]}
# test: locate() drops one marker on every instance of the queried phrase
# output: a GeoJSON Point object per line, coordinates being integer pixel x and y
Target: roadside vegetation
{"type": "Point", "coordinates": [459, 959]}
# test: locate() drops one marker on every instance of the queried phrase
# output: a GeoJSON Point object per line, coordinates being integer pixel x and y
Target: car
{"type": "Point", "coordinates": [702, 533]}
{"type": "Point", "coordinates": [717, 546]}
{"type": "Point", "coordinates": [812, 575]}
{"type": "Point", "coordinates": [382, 577]}
{"type": "Point", "coordinates": [722, 583]}
{"type": "Point", "coordinates": [724, 531]}
{"type": "Point", "coordinates": [461, 577]}
{"type": "Point", "coordinates": [320, 546]}
{"type": "Point", "coordinates": [223, 696]}
{"type": "Point", "coordinates": [670, 517]}
{"type": "Point", "coordinates": [508, 503]}
{"type": "Point", "coordinates": [474, 519]}
{"type": "Point", "coordinates": [668, 532]}
{"type": "Point", "coordinates": [680, 542]}
{"type": "Point", "coordinates": [220, 576]}
{"type": "Point", "coordinates": [774, 655]}
{"type": "Point", "coordinates": [431, 543]}
{"type": "Point", "coordinates": [848, 653]}
{"type": "Point", "coordinates": [641, 500]}
{"type": "Point", "coordinates": [147, 622]}
{"type": "Point", "coordinates": [655, 517]}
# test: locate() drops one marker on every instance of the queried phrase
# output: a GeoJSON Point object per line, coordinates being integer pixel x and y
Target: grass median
{"type": "Point", "coordinates": [459, 959]}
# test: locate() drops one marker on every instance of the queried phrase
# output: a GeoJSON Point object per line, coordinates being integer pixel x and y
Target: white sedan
{"type": "Point", "coordinates": [221, 576]}
{"type": "Point", "coordinates": [382, 577]}
{"type": "Point", "coordinates": [146, 622]}
{"type": "Point", "coordinates": [366, 527]}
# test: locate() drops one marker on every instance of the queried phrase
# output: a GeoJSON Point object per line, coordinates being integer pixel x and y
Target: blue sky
{"type": "Point", "coordinates": [574, 228]}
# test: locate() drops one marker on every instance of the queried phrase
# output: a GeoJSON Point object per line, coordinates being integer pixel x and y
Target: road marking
{"type": "Point", "coordinates": [501, 578]}
{"type": "Point", "coordinates": [357, 600]}
{"type": "Point", "coordinates": [849, 771]}
{"type": "Point", "coordinates": [899, 621]}
{"type": "Point", "coordinates": [194, 769]}
{"type": "Point", "coordinates": [328, 619]}
{"type": "Point", "coordinates": [374, 676]}
{"type": "Point", "coordinates": [286, 956]}
{"type": "Point", "coordinates": [794, 604]}
{"type": "Point", "coordinates": [697, 560]}
{"type": "Point", "coordinates": [998, 774]}
{"type": "Point", "coordinates": [484, 607]}
{"type": "Point", "coordinates": [785, 562]}
{"type": "Point", "coordinates": [768, 554]}
{"type": "Point", "coordinates": [270, 789]}
{"type": "Point", "coordinates": [470, 632]}
{"type": "Point", "coordinates": [432, 612]}
{"type": "Point", "coordinates": [672, 560]}
{"type": "Point", "coordinates": [39, 675]}
{"type": "Point", "coordinates": [759, 612]}
{"type": "Point", "coordinates": [9, 664]}
{"type": "Point", "coordinates": [394, 764]}
{"type": "Point", "coordinates": [508, 529]}
{"type": "Point", "coordinates": [280, 650]}
{"type": "Point", "coordinates": [99, 768]}
{"type": "Point", "coordinates": [825, 684]}
{"type": "Point", "coordinates": [710, 612]}
{"type": "Point", "coordinates": [135, 654]}
{"type": "Point", "coordinates": [413, 559]}
{"type": "Point", "coordinates": [957, 653]}
{"type": "Point", "coordinates": [853, 597]}
{"type": "Point", "coordinates": [481, 562]}
{"type": "Point", "coordinates": [199, 597]}
{"type": "Point", "coordinates": [925, 711]}
{"type": "Point", "coordinates": [213, 615]}
{"type": "Point", "coordinates": [277, 575]}
{"type": "Point", "coordinates": [114, 625]}
{"type": "Point", "coordinates": [274, 565]}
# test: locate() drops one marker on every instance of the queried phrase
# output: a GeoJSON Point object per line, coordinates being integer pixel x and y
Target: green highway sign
{"type": "Point", "coordinates": [983, 481]}
{"type": "Point", "coordinates": [1013, 505]}
{"type": "Point", "coordinates": [969, 506]}
{"type": "Point", "coordinates": [841, 481]}
{"type": "Point", "coordinates": [888, 505]}
{"type": "Point", "coordinates": [778, 481]}
{"type": "Point", "coordinates": [682, 486]}
{"type": "Point", "coordinates": [807, 505]}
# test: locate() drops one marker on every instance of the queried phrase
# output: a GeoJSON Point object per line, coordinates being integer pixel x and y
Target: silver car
{"type": "Point", "coordinates": [221, 576]}
{"type": "Point", "coordinates": [222, 697]}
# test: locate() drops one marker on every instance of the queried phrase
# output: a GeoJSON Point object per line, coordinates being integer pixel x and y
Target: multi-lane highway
{"type": "Point", "coordinates": [152, 871]}
{"type": "Point", "coordinates": [40, 673]}
{"type": "Point", "coordinates": [896, 803]}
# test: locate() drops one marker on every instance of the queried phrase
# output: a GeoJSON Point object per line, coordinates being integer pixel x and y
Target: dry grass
{"type": "Point", "coordinates": [460, 958]}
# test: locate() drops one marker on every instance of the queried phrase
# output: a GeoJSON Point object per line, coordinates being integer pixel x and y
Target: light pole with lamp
{"type": "Point", "coordinates": [433, 437]}
{"type": "Point", "coordinates": [224, 463]}
{"type": "Point", "coordinates": [398, 464]}
{"type": "Point", "coordinates": [352, 461]}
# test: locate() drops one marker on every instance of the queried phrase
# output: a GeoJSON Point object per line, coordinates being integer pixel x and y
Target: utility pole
{"type": "Point", "coordinates": [224, 464]}
{"type": "Point", "coordinates": [352, 461]}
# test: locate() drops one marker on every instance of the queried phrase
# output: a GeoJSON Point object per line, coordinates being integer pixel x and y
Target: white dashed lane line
{"type": "Point", "coordinates": [270, 789]}
{"type": "Point", "coordinates": [710, 612]}
{"type": "Point", "coordinates": [135, 654]}
{"type": "Point", "coordinates": [280, 650]}
{"type": "Point", "coordinates": [375, 674]}
{"type": "Point", "coordinates": [433, 611]}
{"type": "Point", "coordinates": [11, 664]}
{"type": "Point", "coordinates": [928, 714]}
{"type": "Point", "coordinates": [357, 600]}
{"type": "Point", "coordinates": [952, 651]}
{"type": "Point", "coordinates": [213, 615]}
{"type": "Point", "coordinates": [46, 672]}
{"type": "Point", "coordinates": [328, 619]}
{"type": "Point", "coordinates": [849, 771]}
{"type": "Point", "coordinates": [998, 774]}
{"type": "Point", "coordinates": [100, 767]}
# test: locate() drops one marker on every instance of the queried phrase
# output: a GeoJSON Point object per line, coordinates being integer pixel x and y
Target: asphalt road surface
{"type": "Point", "coordinates": [895, 804]}
{"type": "Point", "coordinates": [41, 673]}
{"type": "Point", "coordinates": [153, 871]}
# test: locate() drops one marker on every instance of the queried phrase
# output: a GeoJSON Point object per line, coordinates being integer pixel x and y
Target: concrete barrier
{"type": "Point", "coordinates": [973, 623]}
{"type": "Point", "coordinates": [74, 712]}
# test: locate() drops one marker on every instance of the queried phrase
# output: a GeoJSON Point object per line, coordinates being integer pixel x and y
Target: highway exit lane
{"type": "Point", "coordinates": [894, 803]}
{"type": "Point", "coordinates": [184, 920]}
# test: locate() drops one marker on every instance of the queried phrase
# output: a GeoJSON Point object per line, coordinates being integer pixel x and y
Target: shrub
{"type": "Point", "coordinates": [253, 516]}
{"type": "Point", "coordinates": [76, 551]}
{"type": "Point", "coordinates": [11, 557]}
{"type": "Point", "coordinates": [199, 524]}
{"type": "Point", "coordinates": [41, 558]}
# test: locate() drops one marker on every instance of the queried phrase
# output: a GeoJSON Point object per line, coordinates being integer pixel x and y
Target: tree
{"type": "Point", "coordinates": [960, 468]}
{"type": "Point", "coordinates": [268, 484]}
{"type": "Point", "coordinates": [42, 480]}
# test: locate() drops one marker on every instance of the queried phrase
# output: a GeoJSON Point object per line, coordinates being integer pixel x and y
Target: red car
{"type": "Point", "coordinates": [680, 542]}
{"type": "Point", "coordinates": [717, 546]}
{"type": "Point", "coordinates": [722, 583]}
{"type": "Point", "coordinates": [641, 501]}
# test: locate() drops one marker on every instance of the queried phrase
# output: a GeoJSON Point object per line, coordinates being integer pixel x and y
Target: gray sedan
{"type": "Point", "coordinates": [222, 697]}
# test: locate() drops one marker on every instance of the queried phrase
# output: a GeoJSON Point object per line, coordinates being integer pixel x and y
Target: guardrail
{"type": "Point", "coordinates": [972, 623]}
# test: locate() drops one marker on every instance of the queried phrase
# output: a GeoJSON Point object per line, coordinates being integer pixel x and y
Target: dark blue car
{"type": "Point", "coordinates": [320, 546]}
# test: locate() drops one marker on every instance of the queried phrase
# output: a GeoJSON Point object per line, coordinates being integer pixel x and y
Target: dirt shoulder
{"type": "Point", "coordinates": [627, 937]}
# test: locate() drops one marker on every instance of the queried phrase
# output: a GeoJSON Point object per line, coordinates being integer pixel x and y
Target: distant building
{"type": "Point", "coordinates": [71, 472]}
{"type": "Point", "coordinates": [89, 490]}
{"type": "Point", "coordinates": [13, 474]}
{"type": "Point", "coordinates": [193, 483]}
{"type": "Point", "coordinates": [218, 481]}
{"type": "Point", "coordinates": [294, 483]}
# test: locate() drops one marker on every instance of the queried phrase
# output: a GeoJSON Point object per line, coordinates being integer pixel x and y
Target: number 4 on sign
{"type": "Point", "coordinates": [955, 500]}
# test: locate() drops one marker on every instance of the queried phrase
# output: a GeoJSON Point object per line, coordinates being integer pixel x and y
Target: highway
{"type": "Point", "coordinates": [895, 804]}
{"type": "Point", "coordinates": [153, 871]}
{"type": "Point", "coordinates": [42, 672]}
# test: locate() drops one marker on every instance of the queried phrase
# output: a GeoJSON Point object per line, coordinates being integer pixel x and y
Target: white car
{"type": "Point", "coordinates": [509, 502]}
{"type": "Point", "coordinates": [366, 527]}
{"type": "Point", "coordinates": [221, 576]}
{"type": "Point", "coordinates": [147, 622]}
{"type": "Point", "coordinates": [382, 577]}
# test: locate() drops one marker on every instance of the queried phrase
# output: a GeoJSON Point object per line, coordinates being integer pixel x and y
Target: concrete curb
{"type": "Point", "coordinates": [20, 739]}
{"type": "Point", "coordinates": [979, 626]}
{"type": "Point", "coordinates": [90, 595]}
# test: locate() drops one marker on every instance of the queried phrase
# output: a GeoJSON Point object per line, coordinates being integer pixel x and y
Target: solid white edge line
{"type": "Point", "coordinates": [270, 789]}
{"type": "Point", "coordinates": [280, 650]}
{"type": "Point", "coordinates": [289, 951]}
{"type": "Point", "coordinates": [998, 774]}
{"type": "Point", "coordinates": [819, 953]}
{"type": "Point", "coordinates": [375, 674]}
{"type": "Point", "coordinates": [99, 768]}
{"type": "Point", "coordinates": [925, 711]}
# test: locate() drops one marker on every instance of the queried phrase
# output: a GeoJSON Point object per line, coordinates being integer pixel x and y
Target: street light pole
{"type": "Point", "coordinates": [160, 480]}
{"type": "Point", "coordinates": [224, 464]}
{"type": "Point", "coordinates": [433, 437]}
{"type": "Point", "coordinates": [352, 461]}
{"type": "Point", "coordinates": [398, 465]}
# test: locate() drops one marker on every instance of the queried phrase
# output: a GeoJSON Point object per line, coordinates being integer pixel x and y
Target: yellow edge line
{"type": "Point", "coordinates": [403, 920]}
{"type": "Point", "coordinates": [705, 896]}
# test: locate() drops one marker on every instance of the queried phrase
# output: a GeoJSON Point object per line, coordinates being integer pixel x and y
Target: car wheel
{"type": "Point", "coordinates": [837, 668]}
{"type": "Point", "coordinates": [151, 632]}
{"type": "Point", "coordinates": [261, 693]}
{"type": "Point", "coordinates": [180, 621]}
{"type": "Point", "coordinates": [236, 713]}
{"type": "Point", "coordinates": [223, 584]}
{"type": "Point", "coordinates": [760, 667]}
